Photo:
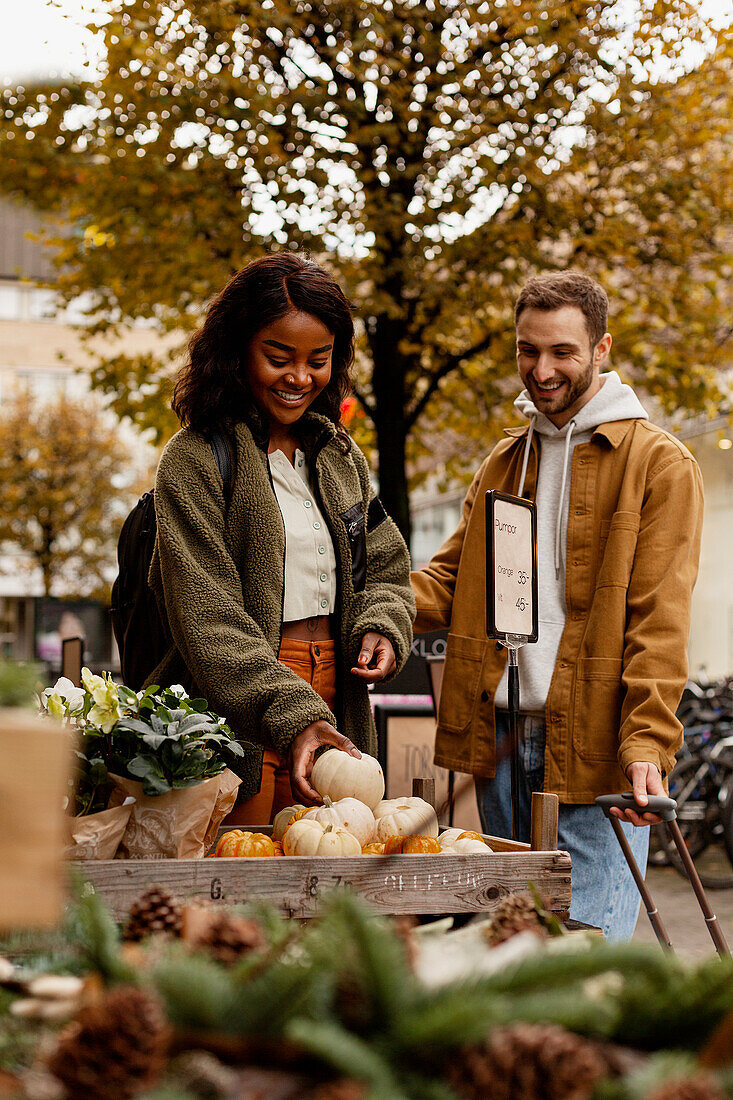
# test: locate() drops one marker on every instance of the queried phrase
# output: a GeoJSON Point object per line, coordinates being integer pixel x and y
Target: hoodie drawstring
{"type": "Point", "coordinates": [525, 459]}
{"type": "Point", "coordinates": [523, 475]}
{"type": "Point", "coordinates": [558, 524]}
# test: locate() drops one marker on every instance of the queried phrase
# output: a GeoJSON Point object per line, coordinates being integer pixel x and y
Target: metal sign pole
{"type": "Point", "coordinates": [513, 686]}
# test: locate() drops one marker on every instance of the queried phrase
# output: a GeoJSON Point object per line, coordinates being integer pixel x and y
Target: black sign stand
{"type": "Point", "coordinates": [511, 601]}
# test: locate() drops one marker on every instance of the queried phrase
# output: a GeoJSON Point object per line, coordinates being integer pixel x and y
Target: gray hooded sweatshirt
{"type": "Point", "coordinates": [614, 401]}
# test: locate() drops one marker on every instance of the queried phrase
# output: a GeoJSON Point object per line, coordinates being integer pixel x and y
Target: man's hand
{"type": "Point", "coordinates": [645, 778]}
{"type": "Point", "coordinates": [376, 659]}
{"type": "Point", "coordinates": [302, 754]}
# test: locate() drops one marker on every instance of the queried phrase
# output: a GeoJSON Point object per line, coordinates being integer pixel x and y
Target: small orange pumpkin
{"type": "Point", "coordinates": [248, 844]}
{"type": "Point", "coordinates": [412, 845]}
{"type": "Point", "coordinates": [226, 841]}
{"type": "Point", "coordinates": [373, 849]}
{"type": "Point", "coordinates": [277, 845]}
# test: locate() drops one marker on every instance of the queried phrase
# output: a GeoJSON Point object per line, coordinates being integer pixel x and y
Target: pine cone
{"type": "Point", "coordinates": [227, 937]}
{"type": "Point", "coordinates": [157, 910]}
{"type": "Point", "coordinates": [531, 1061]}
{"type": "Point", "coordinates": [115, 1049]}
{"type": "Point", "coordinates": [689, 1088]}
{"type": "Point", "coordinates": [346, 1088]}
{"type": "Point", "coordinates": [514, 913]}
{"type": "Point", "coordinates": [353, 1006]}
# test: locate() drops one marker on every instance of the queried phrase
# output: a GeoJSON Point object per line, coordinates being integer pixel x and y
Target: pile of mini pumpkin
{"type": "Point", "coordinates": [355, 819]}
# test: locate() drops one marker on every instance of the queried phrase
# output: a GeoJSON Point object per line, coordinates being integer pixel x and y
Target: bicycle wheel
{"type": "Point", "coordinates": [700, 787]}
{"type": "Point", "coordinates": [726, 814]}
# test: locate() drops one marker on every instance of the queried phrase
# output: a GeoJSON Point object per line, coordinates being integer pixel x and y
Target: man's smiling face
{"type": "Point", "coordinates": [557, 365]}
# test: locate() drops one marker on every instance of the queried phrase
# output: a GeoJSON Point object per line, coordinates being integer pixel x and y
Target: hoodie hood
{"type": "Point", "coordinates": [614, 401]}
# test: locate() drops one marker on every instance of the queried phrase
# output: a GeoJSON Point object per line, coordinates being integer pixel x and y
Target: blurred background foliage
{"type": "Point", "coordinates": [66, 482]}
{"type": "Point", "coordinates": [433, 153]}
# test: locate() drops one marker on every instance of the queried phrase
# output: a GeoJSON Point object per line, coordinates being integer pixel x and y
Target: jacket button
{"type": "Point", "coordinates": [555, 718]}
{"type": "Point", "coordinates": [484, 696]}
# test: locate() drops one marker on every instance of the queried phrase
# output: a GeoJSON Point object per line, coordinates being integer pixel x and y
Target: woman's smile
{"type": "Point", "coordinates": [288, 366]}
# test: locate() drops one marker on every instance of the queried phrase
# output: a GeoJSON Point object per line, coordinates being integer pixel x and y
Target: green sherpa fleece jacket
{"type": "Point", "coordinates": [218, 576]}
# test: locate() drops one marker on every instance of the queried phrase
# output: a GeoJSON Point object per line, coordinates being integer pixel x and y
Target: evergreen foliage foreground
{"type": "Point", "coordinates": [340, 994]}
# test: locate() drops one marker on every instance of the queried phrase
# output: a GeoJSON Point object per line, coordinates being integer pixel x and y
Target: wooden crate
{"type": "Point", "coordinates": [390, 884]}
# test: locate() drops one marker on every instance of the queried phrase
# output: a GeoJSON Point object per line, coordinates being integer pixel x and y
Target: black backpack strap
{"type": "Point", "coordinates": [223, 455]}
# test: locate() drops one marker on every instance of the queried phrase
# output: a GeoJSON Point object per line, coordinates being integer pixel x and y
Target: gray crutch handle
{"type": "Point", "coordinates": [657, 804]}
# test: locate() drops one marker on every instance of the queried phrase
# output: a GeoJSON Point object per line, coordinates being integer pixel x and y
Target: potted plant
{"type": "Point", "coordinates": [159, 747]}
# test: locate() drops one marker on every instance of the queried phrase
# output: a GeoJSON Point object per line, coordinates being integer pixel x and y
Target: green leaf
{"type": "Point", "coordinates": [194, 723]}
{"type": "Point", "coordinates": [133, 724]}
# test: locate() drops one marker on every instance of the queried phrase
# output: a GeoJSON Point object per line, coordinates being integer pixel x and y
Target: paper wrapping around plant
{"type": "Point", "coordinates": [98, 836]}
{"type": "Point", "coordinates": [34, 778]}
{"type": "Point", "coordinates": [180, 824]}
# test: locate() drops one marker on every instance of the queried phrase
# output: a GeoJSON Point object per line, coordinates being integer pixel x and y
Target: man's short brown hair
{"type": "Point", "coordinates": [556, 289]}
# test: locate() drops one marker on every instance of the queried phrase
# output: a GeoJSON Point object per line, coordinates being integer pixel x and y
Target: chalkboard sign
{"type": "Point", "coordinates": [511, 567]}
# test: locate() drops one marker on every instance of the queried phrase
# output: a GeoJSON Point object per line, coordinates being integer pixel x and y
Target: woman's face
{"type": "Point", "coordinates": [288, 365]}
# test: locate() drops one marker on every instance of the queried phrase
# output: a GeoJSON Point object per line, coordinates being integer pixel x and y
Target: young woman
{"type": "Point", "coordinates": [287, 598]}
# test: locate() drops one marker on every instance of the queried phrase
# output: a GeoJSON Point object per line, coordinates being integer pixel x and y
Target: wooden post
{"type": "Point", "coordinates": [543, 826]}
{"type": "Point", "coordinates": [72, 655]}
{"type": "Point", "coordinates": [424, 788]}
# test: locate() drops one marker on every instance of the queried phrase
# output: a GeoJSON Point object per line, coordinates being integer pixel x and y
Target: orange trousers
{"type": "Point", "coordinates": [314, 662]}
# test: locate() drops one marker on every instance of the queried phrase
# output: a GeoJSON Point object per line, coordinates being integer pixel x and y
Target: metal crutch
{"type": "Point", "coordinates": [667, 810]}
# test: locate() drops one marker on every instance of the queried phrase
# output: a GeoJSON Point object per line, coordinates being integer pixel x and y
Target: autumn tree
{"type": "Point", "coordinates": [432, 152]}
{"type": "Point", "coordinates": [65, 485]}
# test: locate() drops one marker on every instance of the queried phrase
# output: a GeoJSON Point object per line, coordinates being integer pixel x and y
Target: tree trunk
{"type": "Point", "coordinates": [390, 417]}
{"type": "Point", "coordinates": [392, 442]}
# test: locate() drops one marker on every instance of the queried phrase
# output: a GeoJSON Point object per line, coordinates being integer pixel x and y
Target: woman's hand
{"type": "Point", "coordinates": [302, 755]}
{"type": "Point", "coordinates": [376, 659]}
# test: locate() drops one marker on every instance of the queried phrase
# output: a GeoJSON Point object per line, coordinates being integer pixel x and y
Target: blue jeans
{"type": "Point", "coordinates": [603, 892]}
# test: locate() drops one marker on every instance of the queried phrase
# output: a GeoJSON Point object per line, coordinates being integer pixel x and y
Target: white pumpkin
{"type": "Point", "coordinates": [468, 845]}
{"type": "Point", "coordinates": [339, 775]}
{"type": "Point", "coordinates": [282, 820]}
{"type": "Point", "coordinates": [447, 837]}
{"type": "Point", "coordinates": [310, 838]}
{"type": "Point", "coordinates": [403, 816]}
{"type": "Point", "coordinates": [347, 813]}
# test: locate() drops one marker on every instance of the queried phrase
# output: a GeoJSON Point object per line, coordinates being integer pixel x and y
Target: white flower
{"type": "Point", "coordinates": [178, 690]}
{"type": "Point", "coordinates": [54, 704]}
{"type": "Point", "coordinates": [104, 692]}
{"type": "Point", "coordinates": [63, 699]}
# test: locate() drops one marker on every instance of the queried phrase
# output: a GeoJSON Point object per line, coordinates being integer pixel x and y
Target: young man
{"type": "Point", "coordinates": [619, 506]}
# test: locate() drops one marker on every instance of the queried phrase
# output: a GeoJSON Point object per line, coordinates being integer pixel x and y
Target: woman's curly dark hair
{"type": "Point", "coordinates": [212, 388]}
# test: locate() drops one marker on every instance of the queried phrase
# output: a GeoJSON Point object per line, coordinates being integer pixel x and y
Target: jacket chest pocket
{"type": "Point", "coordinates": [353, 521]}
{"type": "Point", "coordinates": [616, 550]}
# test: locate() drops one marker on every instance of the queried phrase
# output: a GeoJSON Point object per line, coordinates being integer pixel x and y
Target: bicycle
{"type": "Point", "coordinates": [702, 785]}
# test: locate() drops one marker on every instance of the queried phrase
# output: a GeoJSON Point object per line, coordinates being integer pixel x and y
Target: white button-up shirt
{"type": "Point", "coordinates": [310, 559]}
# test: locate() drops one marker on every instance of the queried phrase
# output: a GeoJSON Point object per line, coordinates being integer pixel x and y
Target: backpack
{"type": "Point", "coordinates": [142, 636]}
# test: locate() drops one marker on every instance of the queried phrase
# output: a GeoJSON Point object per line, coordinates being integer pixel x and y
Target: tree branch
{"type": "Point", "coordinates": [442, 372]}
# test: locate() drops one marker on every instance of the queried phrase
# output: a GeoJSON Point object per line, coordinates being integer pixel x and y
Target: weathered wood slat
{"type": "Point", "coordinates": [545, 816]}
{"type": "Point", "coordinates": [297, 886]}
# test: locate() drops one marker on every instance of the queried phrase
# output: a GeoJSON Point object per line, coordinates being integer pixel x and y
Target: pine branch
{"type": "Point", "coordinates": [347, 1053]}
{"type": "Point", "coordinates": [197, 992]}
{"type": "Point", "coordinates": [92, 927]}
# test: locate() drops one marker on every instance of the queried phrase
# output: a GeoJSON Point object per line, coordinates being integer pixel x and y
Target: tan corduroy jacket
{"type": "Point", "coordinates": [633, 543]}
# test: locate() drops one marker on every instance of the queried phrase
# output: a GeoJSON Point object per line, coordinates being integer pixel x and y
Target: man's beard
{"type": "Point", "coordinates": [567, 396]}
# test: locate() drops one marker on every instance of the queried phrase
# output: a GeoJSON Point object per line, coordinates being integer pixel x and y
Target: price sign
{"type": "Point", "coordinates": [511, 567]}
